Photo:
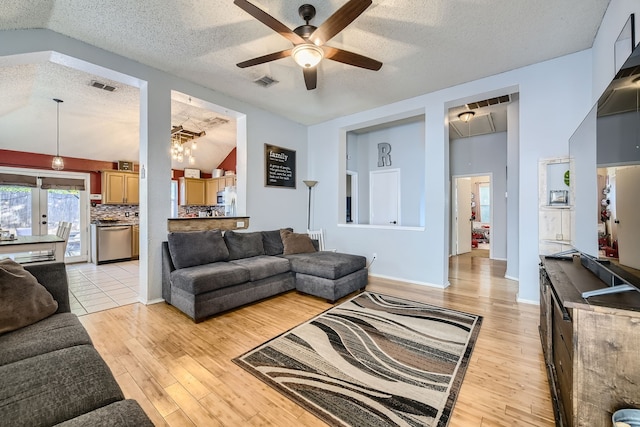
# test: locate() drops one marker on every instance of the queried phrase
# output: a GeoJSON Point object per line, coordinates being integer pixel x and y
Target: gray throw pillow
{"type": "Point", "coordinates": [272, 242]}
{"type": "Point", "coordinates": [24, 301]}
{"type": "Point", "coordinates": [243, 245]}
{"type": "Point", "coordinates": [191, 248]}
{"type": "Point", "coordinates": [296, 243]}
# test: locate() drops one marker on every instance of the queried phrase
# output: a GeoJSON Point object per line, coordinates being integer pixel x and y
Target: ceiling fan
{"type": "Point", "coordinates": [309, 41]}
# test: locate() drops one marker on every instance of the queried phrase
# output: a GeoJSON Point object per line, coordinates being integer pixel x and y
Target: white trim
{"type": "Point", "coordinates": [383, 227]}
{"type": "Point", "coordinates": [511, 278]}
{"type": "Point", "coordinates": [415, 282]}
{"type": "Point", "coordinates": [153, 301]}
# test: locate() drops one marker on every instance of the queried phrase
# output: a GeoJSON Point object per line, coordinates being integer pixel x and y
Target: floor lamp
{"type": "Point", "coordinates": [309, 184]}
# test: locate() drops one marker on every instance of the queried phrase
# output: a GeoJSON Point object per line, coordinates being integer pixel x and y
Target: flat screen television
{"type": "Point", "coordinates": [604, 165]}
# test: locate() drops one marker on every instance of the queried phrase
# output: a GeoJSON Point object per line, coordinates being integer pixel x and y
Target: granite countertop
{"type": "Point", "coordinates": [208, 217]}
{"type": "Point", "coordinates": [113, 224]}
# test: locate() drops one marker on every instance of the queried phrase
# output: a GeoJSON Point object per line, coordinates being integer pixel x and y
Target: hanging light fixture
{"type": "Point", "coordinates": [307, 55]}
{"type": "Point", "coordinates": [58, 162]}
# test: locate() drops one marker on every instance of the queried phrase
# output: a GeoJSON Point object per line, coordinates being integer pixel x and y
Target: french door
{"type": "Point", "coordinates": [36, 211]}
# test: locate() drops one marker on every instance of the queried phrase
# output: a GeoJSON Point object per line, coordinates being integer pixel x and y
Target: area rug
{"type": "Point", "coordinates": [374, 360]}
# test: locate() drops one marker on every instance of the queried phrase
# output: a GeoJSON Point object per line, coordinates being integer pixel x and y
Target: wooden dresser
{"type": "Point", "coordinates": [591, 347]}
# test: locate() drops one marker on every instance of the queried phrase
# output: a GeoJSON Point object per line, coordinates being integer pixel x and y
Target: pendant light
{"type": "Point", "coordinates": [57, 163]}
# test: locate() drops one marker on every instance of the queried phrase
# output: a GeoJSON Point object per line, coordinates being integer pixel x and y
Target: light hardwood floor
{"type": "Point", "coordinates": [182, 374]}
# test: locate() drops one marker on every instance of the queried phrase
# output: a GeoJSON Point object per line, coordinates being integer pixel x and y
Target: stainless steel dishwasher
{"type": "Point", "coordinates": [113, 243]}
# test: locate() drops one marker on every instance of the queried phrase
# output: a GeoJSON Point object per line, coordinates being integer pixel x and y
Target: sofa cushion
{"type": "Point", "coordinates": [204, 278]}
{"type": "Point", "coordinates": [53, 333]}
{"type": "Point", "coordinates": [330, 265]}
{"type": "Point", "coordinates": [55, 387]}
{"type": "Point", "coordinates": [272, 242]}
{"type": "Point", "coordinates": [243, 245]}
{"type": "Point", "coordinates": [197, 248]}
{"type": "Point", "coordinates": [124, 413]}
{"type": "Point", "coordinates": [260, 267]}
{"type": "Point", "coordinates": [24, 300]}
{"type": "Point", "coordinates": [296, 243]}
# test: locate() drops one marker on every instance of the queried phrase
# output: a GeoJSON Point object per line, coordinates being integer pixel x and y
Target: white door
{"type": "Point", "coordinates": [384, 197]}
{"type": "Point", "coordinates": [627, 208]}
{"type": "Point", "coordinates": [462, 213]}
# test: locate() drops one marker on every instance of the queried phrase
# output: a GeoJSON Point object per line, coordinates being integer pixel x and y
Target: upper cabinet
{"type": "Point", "coordinates": [119, 188]}
{"type": "Point", "coordinates": [192, 191]}
{"type": "Point", "coordinates": [203, 192]}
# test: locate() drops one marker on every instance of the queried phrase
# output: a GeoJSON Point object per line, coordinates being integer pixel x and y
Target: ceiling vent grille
{"type": "Point", "coordinates": [491, 101]}
{"type": "Point", "coordinates": [215, 121]}
{"type": "Point", "coordinates": [265, 81]}
{"type": "Point", "coordinates": [102, 86]}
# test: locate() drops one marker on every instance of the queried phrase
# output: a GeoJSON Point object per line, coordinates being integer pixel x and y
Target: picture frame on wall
{"type": "Point", "coordinates": [279, 167]}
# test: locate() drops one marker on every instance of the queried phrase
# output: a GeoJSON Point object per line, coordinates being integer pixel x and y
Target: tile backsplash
{"type": "Point", "coordinates": [100, 211]}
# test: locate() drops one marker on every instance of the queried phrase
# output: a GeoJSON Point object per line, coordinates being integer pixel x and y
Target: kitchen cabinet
{"type": "Point", "coordinates": [211, 191]}
{"type": "Point", "coordinates": [135, 241]}
{"type": "Point", "coordinates": [589, 345]}
{"type": "Point", "coordinates": [119, 188]}
{"type": "Point", "coordinates": [192, 191]}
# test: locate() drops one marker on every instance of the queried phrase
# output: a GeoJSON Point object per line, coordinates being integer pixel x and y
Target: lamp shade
{"type": "Point", "coordinates": [307, 55]}
{"type": "Point", "coordinates": [310, 183]}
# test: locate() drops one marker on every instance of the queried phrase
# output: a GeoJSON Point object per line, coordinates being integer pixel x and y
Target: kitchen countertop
{"type": "Point", "coordinates": [207, 223]}
{"type": "Point", "coordinates": [208, 217]}
{"type": "Point", "coordinates": [113, 224]}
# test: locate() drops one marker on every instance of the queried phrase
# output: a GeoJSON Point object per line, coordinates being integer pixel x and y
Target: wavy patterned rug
{"type": "Point", "coordinates": [374, 360]}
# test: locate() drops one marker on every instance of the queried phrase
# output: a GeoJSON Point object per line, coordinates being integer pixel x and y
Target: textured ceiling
{"type": "Point", "coordinates": [425, 46]}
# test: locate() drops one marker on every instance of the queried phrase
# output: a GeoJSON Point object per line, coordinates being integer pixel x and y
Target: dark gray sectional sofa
{"type": "Point", "coordinates": [50, 373]}
{"type": "Point", "coordinates": [205, 273]}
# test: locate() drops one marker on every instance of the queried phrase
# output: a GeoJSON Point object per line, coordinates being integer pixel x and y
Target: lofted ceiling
{"type": "Point", "coordinates": [424, 45]}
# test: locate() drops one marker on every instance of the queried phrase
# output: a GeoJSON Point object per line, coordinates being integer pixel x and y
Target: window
{"type": "Point", "coordinates": [485, 202]}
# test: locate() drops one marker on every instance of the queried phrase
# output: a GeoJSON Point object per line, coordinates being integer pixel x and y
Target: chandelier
{"type": "Point", "coordinates": [183, 144]}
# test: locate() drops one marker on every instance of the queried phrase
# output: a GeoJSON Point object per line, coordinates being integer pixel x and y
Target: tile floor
{"type": "Point", "coordinates": [100, 287]}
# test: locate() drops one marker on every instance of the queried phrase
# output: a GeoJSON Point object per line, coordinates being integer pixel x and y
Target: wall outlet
{"type": "Point", "coordinates": [126, 214]}
{"type": "Point", "coordinates": [240, 224]}
{"type": "Point", "coordinates": [559, 236]}
{"type": "Point", "coordinates": [375, 255]}
{"type": "Point", "coordinates": [135, 214]}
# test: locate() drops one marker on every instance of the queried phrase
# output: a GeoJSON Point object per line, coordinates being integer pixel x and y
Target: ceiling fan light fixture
{"type": "Point", "coordinates": [307, 55]}
{"type": "Point", "coordinates": [465, 116]}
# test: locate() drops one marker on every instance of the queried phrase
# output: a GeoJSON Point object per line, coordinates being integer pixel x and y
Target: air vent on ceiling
{"type": "Point", "coordinates": [215, 121]}
{"type": "Point", "coordinates": [265, 81]}
{"type": "Point", "coordinates": [102, 86]}
{"type": "Point", "coordinates": [491, 101]}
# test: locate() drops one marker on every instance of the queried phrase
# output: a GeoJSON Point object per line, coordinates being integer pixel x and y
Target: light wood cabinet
{"type": "Point", "coordinates": [211, 191]}
{"type": "Point", "coordinates": [119, 188]}
{"type": "Point", "coordinates": [590, 346]}
{"type": "Point", "coordinates": [192, 191]}
{"type": "Point", "coordinates": [135, 241]}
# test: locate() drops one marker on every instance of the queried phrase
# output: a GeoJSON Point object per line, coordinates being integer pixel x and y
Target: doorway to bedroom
{"type": "Point", "coordinates": [472, 215]}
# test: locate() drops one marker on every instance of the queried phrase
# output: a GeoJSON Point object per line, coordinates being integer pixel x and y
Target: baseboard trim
{"type": "Point", "coordinates": [511, 278]}
{"type": "Point", "coordinates": [153, 301]}
{"type": "Point", "coordinates": [527, 301]}
{"type": "Point", "coordinates": [414, 282]}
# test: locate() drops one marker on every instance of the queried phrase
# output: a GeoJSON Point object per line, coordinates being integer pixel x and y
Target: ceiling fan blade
{"type": "Point", "coordinates": [269, 21]}
{"type": "Point", "coordinates": [338, 21]}
{"type": "Point", "coordinates": [351, 58]}
{"type": "Point", "coordinates": [266, 58]}
{"type": "Point", "coordinates": [310, 77]}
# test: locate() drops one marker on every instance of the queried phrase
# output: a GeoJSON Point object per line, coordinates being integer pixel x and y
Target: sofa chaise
{"type": "Point", "coordinates": [50, 372]}
{"type": "Point", "coordinates": [206, 272]}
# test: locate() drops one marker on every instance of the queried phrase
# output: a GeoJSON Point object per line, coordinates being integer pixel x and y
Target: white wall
{"type": "Point", "coordinates": [268, 207]}
{"type": "Point", "coordinates": [486, 154]}
{"type": "Point", "coordinates": [553, 100]}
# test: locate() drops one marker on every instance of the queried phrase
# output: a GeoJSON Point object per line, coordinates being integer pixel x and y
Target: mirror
{"type": "Point", "coordinates": [604, 157]}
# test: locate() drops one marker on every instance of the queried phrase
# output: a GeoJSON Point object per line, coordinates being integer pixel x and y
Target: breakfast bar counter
{"type": "Point", "coordinates": [208, 223]}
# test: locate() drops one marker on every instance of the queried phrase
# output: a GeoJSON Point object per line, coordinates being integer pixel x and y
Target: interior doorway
{"type": "Point", "coordinates": [472, 216]}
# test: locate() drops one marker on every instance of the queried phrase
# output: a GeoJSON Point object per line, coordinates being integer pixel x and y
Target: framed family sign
{"type": "Point", "coordinates": [280, 167]}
